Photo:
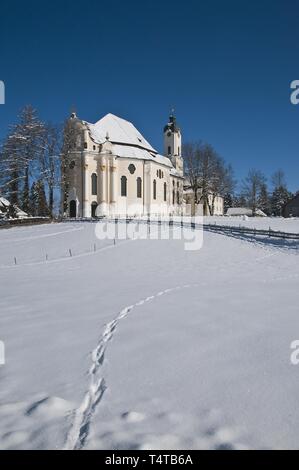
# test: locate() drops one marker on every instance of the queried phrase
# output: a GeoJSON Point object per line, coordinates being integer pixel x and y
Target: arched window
{"type": "Point", "coordinates": [123, 186]}
{"type": "Point", "coordinates": [73, 209]}
{"type": "Point", "coordinates": [177, 197]}
{"type": "Point", "coordinates": [173, 196]}
{"type": "Point", "coordinates": [154, 189]}
{"type": "Point", "coordinates": [94, 209]}
{"type": "Point", "coordinates": [94, 180]}
{"type": "Point", "coordinates": [139, 190]}
{"type": "Point", "coordinates": [165, 191]}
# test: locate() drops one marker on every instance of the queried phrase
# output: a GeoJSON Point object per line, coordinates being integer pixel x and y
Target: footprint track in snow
{"type": "Point", "coordinates": [79, 431]}
{"type": "Point", "coordinates": [83, 415]}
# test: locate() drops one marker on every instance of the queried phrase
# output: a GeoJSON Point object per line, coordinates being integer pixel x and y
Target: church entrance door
{"type": "Point", "coordinates": [73, 209]}
{"type": "Point", "coordinates": [94, 210]}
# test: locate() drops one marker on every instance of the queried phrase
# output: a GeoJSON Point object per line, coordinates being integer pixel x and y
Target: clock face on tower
{"type": "Point", "coordinates": [169, 133]}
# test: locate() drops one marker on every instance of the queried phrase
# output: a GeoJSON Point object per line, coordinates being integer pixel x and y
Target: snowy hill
{"type": "Point", "coordinates": [145, 345]}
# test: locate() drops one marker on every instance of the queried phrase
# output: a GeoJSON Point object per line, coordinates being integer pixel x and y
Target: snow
{"type": "Point", "coordinates": [290, 225]}
{"type": "Point", "coordinates": [174, 172]}
{"type": "Point", "coordinates": [5, 207]}
{"type": "Point", "coordinates": [244, 211]}
{"type": "Point", "coordinates": [135, 152]}
{"type": "Point", "coordinates": [4, 202]}
{"type": "Point", "coordinates": [119, 131]}
{"type": "Point", "coordinates": [145, 345]}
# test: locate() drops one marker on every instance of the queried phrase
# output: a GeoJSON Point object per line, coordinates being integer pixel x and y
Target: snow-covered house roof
{"type": "Point", "coordinates": [237, 211]}
{"type": "Point", "coordinates": [127, 141]}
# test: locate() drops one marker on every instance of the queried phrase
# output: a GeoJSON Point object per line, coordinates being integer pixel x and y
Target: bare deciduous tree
{"type": "Point", "coordinates": [68, 145]}
{"type": "Point", "coordinates": [50, 162]}
{"type": "Point", "coordinates": [10, 172]}
{"type": "Point", "coordinates": [278, 179]}
{"type": "Point", "coordinates": [191, 152]}
{"type": "Point", "coordinates": [252, 185]}
{"type": "Point", "coordinates": [20, 157]}
{"type": "Point", "coordinates": [207, 174]}
{"type": "Point", "coordinates": [28, 134]}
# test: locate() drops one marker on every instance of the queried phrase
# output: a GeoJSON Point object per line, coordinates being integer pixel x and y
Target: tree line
{"type": "Point", "coordinates": [208, 175]}
{"type": "Point", "coordinates": [32, 164]}
{"type": "Point", "coordinates": [256, 194]}
{"type": "Point", "coordinates": [34, 155]}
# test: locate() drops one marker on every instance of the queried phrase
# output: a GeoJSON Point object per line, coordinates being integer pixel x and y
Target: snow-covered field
{"type": "Point", "coordinates": [145, 345]}
{"type": "Point", "coordinates": [275, 223]}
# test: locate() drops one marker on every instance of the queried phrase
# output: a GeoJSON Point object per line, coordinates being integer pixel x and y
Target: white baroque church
{"type": "Point", "coordinates": [113, 170]}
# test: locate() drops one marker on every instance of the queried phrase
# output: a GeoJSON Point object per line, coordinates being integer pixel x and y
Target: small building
{"type": "Point", "coordinates": [291, 209]}
{"type": "Point", "coordinates": [215, 204]}
{"type": "Point", "coordinates": [244, 211]}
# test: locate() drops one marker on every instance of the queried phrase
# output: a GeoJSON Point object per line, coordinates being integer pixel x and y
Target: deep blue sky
{"type": "Point", "coordinates": [225, 65]}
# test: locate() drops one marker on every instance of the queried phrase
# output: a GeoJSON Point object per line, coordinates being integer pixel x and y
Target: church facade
{"type": "Point", "coordinates": [112, 170]}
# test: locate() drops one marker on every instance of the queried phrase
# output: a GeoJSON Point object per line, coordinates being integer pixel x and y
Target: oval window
{"type": "Point", "coordinates": [132, 168]}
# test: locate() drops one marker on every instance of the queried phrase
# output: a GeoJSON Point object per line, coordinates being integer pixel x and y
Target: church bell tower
{"type": "Point", "coordinates": [173, 143]}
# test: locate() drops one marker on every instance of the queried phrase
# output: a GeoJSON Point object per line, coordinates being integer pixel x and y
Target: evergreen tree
{"type": "Point", "coordinates": [42, 206]}
{"type": "Point", "coordinates": [33, 199]}
{"type": "Point", "coordinates": [280, 197]}
{"type": "Point", "coordinates": [280, 194]}
{"type": "Point", "coordinates": [240, 201]}
{"type": "Point", "coordinates": [228, 201]}
{"type": "Point", "coordinates": [263, 200]}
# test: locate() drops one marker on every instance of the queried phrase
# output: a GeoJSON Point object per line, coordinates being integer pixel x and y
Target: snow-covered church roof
{"type": "Point", "coordinates": [127, 140]}
{"type": "Point", "coordinates": [119, 131]}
